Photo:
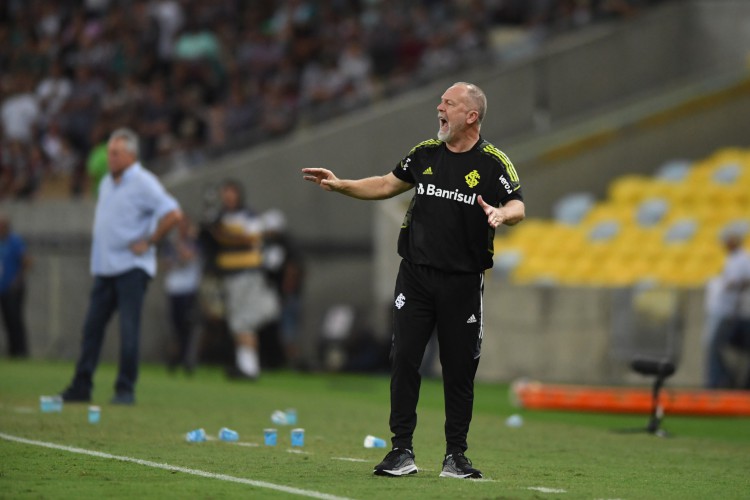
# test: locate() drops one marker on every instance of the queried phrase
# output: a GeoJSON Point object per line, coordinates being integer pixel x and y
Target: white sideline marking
{"type": "Point", "coordinates": [236, 443]}
{"type": "Point", "coordinates": [297, 452]}
{"type": "Point", "coordinates": [347, 459]}
{"type": "Point", "coordinates": [175, 468]}
{"type": "Point", "coordinates": [543, 489]}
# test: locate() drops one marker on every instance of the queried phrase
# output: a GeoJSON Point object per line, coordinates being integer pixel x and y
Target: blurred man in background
{"type": "Point", "coordinates": [14, 263]}
{"type": "Point", "coordinates": [250, 303]}
{"type": "Point", "coordinates": [284, 266]}
{"type": "Point", "coordinates": [182, 262]}
{"type": "Point", "coordinates": [733, 302]}
{"type": "Point", "coordinates": [133, 213]}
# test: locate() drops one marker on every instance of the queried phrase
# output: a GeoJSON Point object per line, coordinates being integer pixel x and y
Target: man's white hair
{"type": "Point", "coordinates": [128, 137]}
{"type": "Point", "coordinates": [477, 98]}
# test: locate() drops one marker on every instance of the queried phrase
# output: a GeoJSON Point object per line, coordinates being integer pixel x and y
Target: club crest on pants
{"type": "Point", "coordinates": [400, 301]}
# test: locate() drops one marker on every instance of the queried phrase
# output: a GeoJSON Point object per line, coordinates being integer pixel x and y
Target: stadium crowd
{"type": "Point", "coordinates": [195, 78]}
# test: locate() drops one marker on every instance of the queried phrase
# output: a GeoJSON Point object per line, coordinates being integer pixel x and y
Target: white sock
{"type": "Point", "coordinates": [247, 361]}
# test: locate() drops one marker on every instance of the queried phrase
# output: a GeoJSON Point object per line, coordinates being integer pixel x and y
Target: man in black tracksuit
{"type": "Point", "coordinates": [464, 189]}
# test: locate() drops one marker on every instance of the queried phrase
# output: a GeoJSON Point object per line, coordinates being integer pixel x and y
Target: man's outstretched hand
{"type": "Point", "coordinates": [322, 177]}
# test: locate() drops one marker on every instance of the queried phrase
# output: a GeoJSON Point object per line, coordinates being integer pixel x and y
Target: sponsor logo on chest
{"type": "Point", "coordinates": [454, 195]}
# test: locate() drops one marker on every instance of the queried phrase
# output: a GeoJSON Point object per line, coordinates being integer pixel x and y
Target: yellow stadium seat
{"type": "Point", "coordinates": [681, 249]}
{"type": "Point", "coordinates": [628, 189]}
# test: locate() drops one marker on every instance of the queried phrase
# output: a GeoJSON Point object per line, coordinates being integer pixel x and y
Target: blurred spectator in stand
{"type": "Point", "coordinates": [469, 41]}
{"type": "Point", "coordinates": [383, 38]}
{"type": "Point", "coordinates": [73, 29]}
{"type": "Point", "coordinates": [258, 52]}
{"type": "Point", "coordinates": [96, 163]}
{"type": "Point", "coordinates": [169, 17]}
{"type": "Point", "coordinates": [182, 264]}
{"type": "Point", "coordinates": [20, 112]}
{"type": "Point", "coordinates": [250, 303]}
{"type": "Point", "coordinates": [154, 118]}
{"type": "Point", "coordinates": [197, 42]}
{"type": "Point", "coordinates": [95, 47]}
{"type": "Point", "coordinates": [52, 92]}
{"type": "Point", "coordinates": [284, 266]}
{"type": "Point", "coordinates": [285, 79]}
{"type": "Point", "coordinates": [239, 114]}
{"type": "Point", "coordinates": [322, 87]}
{"type": "Point", "coordinates": [415, 35]}
{"type": "Point", "coordinates": [122, 100]}
{"type": "Point", "coordinates": [136, 33]}
{"type": "Point", "coordinates": [14, 264]}
{"type": "Point", "coordinates": [733, 329]}
{"type": "Point", "coordinates": [62, 157]}
{"type": "Point", "coordinates": [440, 57]}
{"type": "Point", "coordinates": [49, 19]}
{"type": "Point", "coordinates": [11, 163]}
{"type": "Point", "coordinates": [79, 117]}
{"type": "Point", "coordinates": [290, 16]}
{"type": "Point", "coordinates": [96, 8]}
{"type": "Point", "coordinates": [30, 177]}
{"type": "Point", "coordinates": [189, 121]}
{"type": "Point", "coordinates": [355, 66]}
{"type": "Point", "coordinates": [22, 167]}
{"type": "Point", "coordinates": [278, 112]}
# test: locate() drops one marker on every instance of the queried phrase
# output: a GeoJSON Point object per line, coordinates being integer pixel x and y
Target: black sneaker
{"type": "Point", "coordinates": [398, 462]}
{"type": "Point", "coordinates": [123, 398]}
{"type": "Point", "coordinates": [459, 466]}
{"type": "Point", "coordinates": [74, 395]}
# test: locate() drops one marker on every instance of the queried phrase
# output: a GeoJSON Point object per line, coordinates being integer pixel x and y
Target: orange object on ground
{"type": "Point", "coordinates": [536, 395]}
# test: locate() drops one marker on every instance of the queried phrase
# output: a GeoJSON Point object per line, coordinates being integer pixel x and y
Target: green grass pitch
{"type": "Point", "coordinates": [553, 455]}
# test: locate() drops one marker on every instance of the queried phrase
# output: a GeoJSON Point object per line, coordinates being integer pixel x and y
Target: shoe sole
{"type": "Point", "coordinates": [460, 476]}
{"type": "Point", "coordinates": [403, 471]}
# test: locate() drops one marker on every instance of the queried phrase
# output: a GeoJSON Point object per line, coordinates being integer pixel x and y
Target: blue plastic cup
{"type": "Point", "coordinates": [46, 405]}
{"type": "Point", "coordinates": [298, 437]}
{"type": "Point", "coordinates": [196, 436]}
{"type": "Point", "coordinates": [226, 434]}
{"type": "Point", "coordinates": [57, 404]}
{"type": "Point", "coordinates": [291, 416]}
{"type": "Point", "coordinates": [278, 417]}
{"type": "Point", "coordinates": [50, 404]}
{"type": "Point", "coordinates": [269, 437]}
{"type": "Point", "coordinates": [94, 414]}
{"type": "Point", "coordinates": [374, 442]}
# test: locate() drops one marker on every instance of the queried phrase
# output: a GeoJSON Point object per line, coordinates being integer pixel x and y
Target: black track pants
{"type": "Point", "coordinates": [426, 298]}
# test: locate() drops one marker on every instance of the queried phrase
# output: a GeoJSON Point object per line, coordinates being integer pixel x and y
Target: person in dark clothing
{"type": "Point", "coordinates": [14, 262]}
{"type": "Point", "coordinates": [464, 189]}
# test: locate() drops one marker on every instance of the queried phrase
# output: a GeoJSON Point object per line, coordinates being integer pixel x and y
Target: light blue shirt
{"type": "Point", "coordinates": [127, 212]}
